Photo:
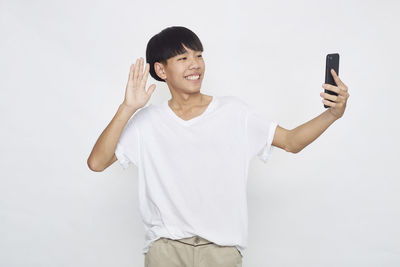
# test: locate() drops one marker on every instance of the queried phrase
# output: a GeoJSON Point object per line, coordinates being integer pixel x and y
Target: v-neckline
{"type": "Point", "coordinates": [192, 120]}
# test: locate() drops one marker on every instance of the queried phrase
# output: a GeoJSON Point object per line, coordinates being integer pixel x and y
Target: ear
{"type": "Point", "coordinates": [160, 70]}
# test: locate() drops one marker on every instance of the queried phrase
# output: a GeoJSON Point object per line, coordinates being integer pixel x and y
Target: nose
{"type": "Point", "coordinates": [194, 63]}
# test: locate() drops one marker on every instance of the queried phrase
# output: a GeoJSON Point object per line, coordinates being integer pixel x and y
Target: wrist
{"type": "Point", "coordinates": [128, 108]}
{"type": "Point", "coordinates": [332, 116]}
{"type": "Point", "coordinates": [126, 111]}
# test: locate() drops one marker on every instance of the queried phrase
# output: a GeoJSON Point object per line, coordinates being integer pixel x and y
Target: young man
{"type": "Point", "coordinates": [193, 153]}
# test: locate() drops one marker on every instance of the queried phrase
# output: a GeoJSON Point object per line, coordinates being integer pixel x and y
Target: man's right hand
{"type": "Point", "coordinates": [136, 95]}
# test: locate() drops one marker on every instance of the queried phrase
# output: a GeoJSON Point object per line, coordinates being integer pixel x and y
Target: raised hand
{"type": "Point", "coordinates": [338, 104]}
{"type": "Point", "coordinates": [136, 95]}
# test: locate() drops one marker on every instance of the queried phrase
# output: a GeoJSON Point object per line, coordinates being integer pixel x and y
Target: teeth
{"type": "Point", "coordinates": [193, 77]}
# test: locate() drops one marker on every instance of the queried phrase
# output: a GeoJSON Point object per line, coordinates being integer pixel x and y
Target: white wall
{"type": "Point", "coordinates": [64, 67]}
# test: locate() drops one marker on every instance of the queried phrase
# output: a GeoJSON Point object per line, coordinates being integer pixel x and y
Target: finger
{"type": "Point", "coordinates": [329, 96]}
{"type": "Point", "coordinates": [141, 69]}
{"type": "Point", "coordinates": [130, 78]}
{"type": "Point", "coordinates": [333, 88]}
{"type": "Point", "coordinates": [328, 103]}
{"type": "Point", "coordinates": [336, 99]}
{"type": "Point", "coordinates": [136, 72]}
{"type": "Point", "coordinates": [338, 81]}
{"type": "Point", "coordinates": [145, 76]}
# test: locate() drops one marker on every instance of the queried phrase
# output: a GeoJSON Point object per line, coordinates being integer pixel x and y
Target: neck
{"type": "Point", "coordinates": [186, 101]}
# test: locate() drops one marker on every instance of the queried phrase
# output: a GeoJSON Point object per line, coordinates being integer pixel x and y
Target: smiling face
{"type": "Point", "coordinates": [183, 73]}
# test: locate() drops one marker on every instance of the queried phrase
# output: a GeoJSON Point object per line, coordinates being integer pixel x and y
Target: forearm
{"type": "Point", "coordinates": [104, 149]}
{"type": "Point", "coordinates": [303, 135]}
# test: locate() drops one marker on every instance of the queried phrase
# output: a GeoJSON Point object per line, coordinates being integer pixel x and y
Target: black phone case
{"type": "Point", "coordinates": [332, 62]}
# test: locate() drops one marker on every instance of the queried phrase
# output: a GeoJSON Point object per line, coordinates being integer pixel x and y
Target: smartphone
{"type": "Point", "coordinates": [332, 62]}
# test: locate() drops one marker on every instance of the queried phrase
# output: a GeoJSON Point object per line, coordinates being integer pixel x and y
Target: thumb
{"type": "Point", "coordinates": [151, 89]}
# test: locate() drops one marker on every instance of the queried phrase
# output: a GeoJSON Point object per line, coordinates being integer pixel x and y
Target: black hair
{"type": "Point", "coordinates": [167, 44]}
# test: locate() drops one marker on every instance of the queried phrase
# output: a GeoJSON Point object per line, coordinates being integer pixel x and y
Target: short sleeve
{"type": "Point", "coordinates": [127, 150]}
{"type": "Point", "coordinates": [260, 133]}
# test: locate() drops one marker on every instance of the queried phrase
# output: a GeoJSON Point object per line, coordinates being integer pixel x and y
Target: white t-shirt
{"type": "Point", "coordinates": [193, 174]}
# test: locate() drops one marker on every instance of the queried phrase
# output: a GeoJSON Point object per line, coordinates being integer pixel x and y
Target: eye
{"type": "Point", "coordinates": [182, 58]}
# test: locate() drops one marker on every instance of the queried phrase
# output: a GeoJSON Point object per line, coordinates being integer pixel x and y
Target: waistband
{"type": "Point", "coordinates": [193, 241]}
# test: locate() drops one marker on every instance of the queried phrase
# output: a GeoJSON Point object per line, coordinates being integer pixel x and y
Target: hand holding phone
{"type": "Point", "coordinates": [332, 62]}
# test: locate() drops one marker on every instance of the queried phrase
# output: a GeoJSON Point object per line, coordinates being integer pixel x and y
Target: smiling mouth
{"type": "Point", "coordinates": [193, 77]}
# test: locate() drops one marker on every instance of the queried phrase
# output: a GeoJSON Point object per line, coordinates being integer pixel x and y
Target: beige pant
{"type": "Point", "coordinates": [191, 252]}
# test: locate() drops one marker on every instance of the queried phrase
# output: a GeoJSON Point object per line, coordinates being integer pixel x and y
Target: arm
{"type": "Point", "coordinates": [303, 135]}
{"type": "Point", "coordinates": [102, 154]}
{"type": "Point", "coordinates": [298, 138]}
{"type": "Point", "coordinates": [136, 96]}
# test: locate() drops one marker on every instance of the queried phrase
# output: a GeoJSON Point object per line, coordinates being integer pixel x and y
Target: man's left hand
{"type": "Point", "coordinates": [338, 105]}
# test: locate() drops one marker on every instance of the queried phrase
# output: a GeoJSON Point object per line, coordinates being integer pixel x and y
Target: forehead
{"type": "Point", "coordinates": [189, 51]}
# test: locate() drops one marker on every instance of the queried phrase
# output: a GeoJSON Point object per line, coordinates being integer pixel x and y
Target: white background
{"type": "Point", "coordinates": [64, 67]}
